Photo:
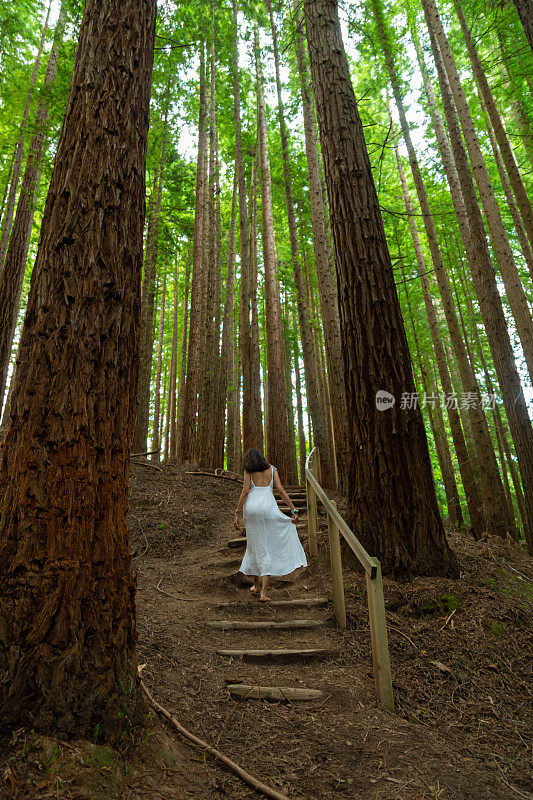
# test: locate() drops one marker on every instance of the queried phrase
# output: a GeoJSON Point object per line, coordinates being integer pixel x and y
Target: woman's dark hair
{"type": "Point", "coordinates": [254, 461]}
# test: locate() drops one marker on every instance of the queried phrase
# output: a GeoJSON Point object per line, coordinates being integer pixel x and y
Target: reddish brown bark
{"type": "Point", "coordinates": [174, 439]}
{"type": "Point", "coordinates": [157, 394]}
{"type": "Point", "coordinates": [67, 611]}
{"type": "Point", "coordinates": [187, 443]}
{"type": "Point", "coordinates": [393, 506]}
{"type": "Point", "coordinates": [276, 410]}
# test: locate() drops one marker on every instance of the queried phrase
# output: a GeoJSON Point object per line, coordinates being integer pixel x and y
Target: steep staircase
{"type": "Point", "coordinates": [282, 618]}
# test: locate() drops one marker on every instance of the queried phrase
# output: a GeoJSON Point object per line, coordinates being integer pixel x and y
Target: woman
{"type": "Point", "coordinates": [272, 546]}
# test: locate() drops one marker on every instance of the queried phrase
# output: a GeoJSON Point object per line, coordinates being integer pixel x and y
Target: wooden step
{"type": "Point", "coordinates": [297, 501]}
{"type": "Point", "coordinates": [300, 602]}
{"type": "Point", "coordinates": [280, 693]}
{"type": "Point", "coordinates": [269, 625]}
{"type": "Point", "coordinates": [287, 510]}
{"type": "Point", "coordinates": [278, 656]}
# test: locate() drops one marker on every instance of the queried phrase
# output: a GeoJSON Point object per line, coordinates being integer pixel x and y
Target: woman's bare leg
{"type": "Point", "coordinates": [255, 588]}
{"type": "Point", "coordinates": [264, 586]}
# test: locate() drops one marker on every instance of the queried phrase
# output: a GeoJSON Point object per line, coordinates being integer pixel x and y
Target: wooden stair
{"type": "Point", "coordinates": [280, 655]}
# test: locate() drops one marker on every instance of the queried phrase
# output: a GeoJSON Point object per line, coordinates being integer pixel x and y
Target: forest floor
{"type": "Point", "coordinates": [461, 662]}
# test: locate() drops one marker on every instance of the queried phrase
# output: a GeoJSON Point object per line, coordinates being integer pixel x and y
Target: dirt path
{"type": "Point", "coordinates": [345, 746]}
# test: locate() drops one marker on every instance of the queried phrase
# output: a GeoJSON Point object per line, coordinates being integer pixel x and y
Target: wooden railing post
{"type": "Point", "coordinates": [378, 633]}
{"type": "Point", "coordinates": [317, 467]}
{"type": "Point", "coordinates": [335, 559]}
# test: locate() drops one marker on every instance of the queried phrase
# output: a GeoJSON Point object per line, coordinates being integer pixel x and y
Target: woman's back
{"type": "Point", "coordinates": [263, 479]}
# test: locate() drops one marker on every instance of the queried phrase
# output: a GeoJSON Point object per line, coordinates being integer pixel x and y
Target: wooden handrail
{"type": "Point", "coordinates": [372, 567]}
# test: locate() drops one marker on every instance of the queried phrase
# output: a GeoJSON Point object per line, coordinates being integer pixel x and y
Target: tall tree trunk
{"type": "Point", "coordinates": [292, 478]}
{"type": "Point", "coordinates": [496, 517]}
{"type": "Point", "coordinates": [252, 433]}
{"type": "Point", "coordinates": [67, 626]}
{"type": "Point", "coordinates": [157, 401]}
{"type": "Point", "coordinates": [12, 275]}
{"type": "Point", "coordinates": [320, 422]}
{"type": "Point", "coordinates": [504, 256]}
{"type": "Point", "coordinates": [183, 361]}
{"type": "Point", "coordinates": [506, 150]}
{"type": "Point", "coordinates": [225, 375]}
{"type": "Point", "coordinates": [187, 444]}
{"type": "Point", "coordinates": [276, 411]}
{"type": "Point", "coordinates": [302, 452]}
{"type": "Point", "coordinates": [466, 467]}
{"type": "Point", "coordinates": [486, 289]}
{"type": "Point", "coordinates": [324, 268]}
{"type": "Point", "coordinates": [171, 438]}
{"type": "Point", "coordinates": [525, 12]}
{"type": "Point", "coordinates": [256, 414]}
{"type": "Point", "coordinates": [19, 149]}
{"type": "Point", "coordinates": [517, 105]}
{"type": "Point", "coordinates": [393, 506]}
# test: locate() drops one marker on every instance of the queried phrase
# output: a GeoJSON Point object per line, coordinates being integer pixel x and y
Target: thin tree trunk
{"type": "Point", "coordinates": [504, 256]}
{"type": "Point", "coordinates": [276, 410]}
{"type": "Point", "coordinates": [287, 370]}
{"type": "Point", "coordinates": [187, 444]}
{"type": "Point", "coordinates": [67, 595]}
{"type": "Point", "coordinates": [256, 414]}
{"type": "Point", "coordinates": [466, 468]}
{"type": "Point", "coordinates": [500, 133]}
{"type": "Point", "coordinates": [486, 289]}
{"type": "Point", "coordinates": [393, 507]}
{"type": "Point", "coordinates": [320, 422]}
{"type": "Point", "coordinates": [12, 275]}
{"type": "Point", "coordinates": [171, 440]}
{"type": "Point", "coordinates": [496, 518]}
{"type": "Point", "coordinates": [157, 401]}
{"type": "Point", "coordinates": [19, 149]}
{"type": "Point", "coordinates": [519, 110]}
{"type": "Point", "coordinates": [525, 12]}
{"type": "Point", "coordinates": [183, 364]}
{"type": "Point", "coordinates": [302, 453]}
{"type": "Point", "coordinates": [324, 268]}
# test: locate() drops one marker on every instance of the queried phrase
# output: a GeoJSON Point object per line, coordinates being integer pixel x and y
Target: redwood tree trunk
{"type": "Point", "coordinates": [183, 364]}
{"type": "Point", "coordinates": [276, 410]}
{"type": "Point", "coordinates": [393, 506]}
{"type": "Point", "coordinates": [157, 403]}
{"type": "Point", "coordinates": [525, 12]}
{"type": "Point", "coordinates": [67, 610]}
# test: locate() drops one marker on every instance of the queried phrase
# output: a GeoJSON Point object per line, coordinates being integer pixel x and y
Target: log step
{"type": "Point", "coordinates": [276, 656]}
{"type": "Point", "coordinates": [240, 541]}
{"type": "Point", "coordinates": [287, 510]}
{"type": "Point", "coordinates": [299, 502]}
{"type": "Point", "coordinates": [280, 693]}
{"type": "Point", "coordinates": [270, 625]}
{"type": "Point", "coordinates": [309, 602]}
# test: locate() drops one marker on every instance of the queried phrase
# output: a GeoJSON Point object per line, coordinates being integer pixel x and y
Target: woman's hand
{"type": "Point", "coordinates": [237, 523]}
{"type": "Point", "coordinates": [294, 516]}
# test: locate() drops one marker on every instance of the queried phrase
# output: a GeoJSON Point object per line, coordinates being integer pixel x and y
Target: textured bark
{"type": "Point", "coordinates": [494, 503]}
{"type": "Point", "coordinates": [515, 214]}
{"type": "Point", "coordinates": [504, 256]}
{"type": "Point", "coordinates": [67, 611]}
{"type": "Point", "coordinates": [500, 133]}
{"type": "Point", "coordinates": [174, 439]}
{"type": "Point", "coordinates": [525, 12]}
{"type": "Point", "coordinates": [12, 275]}
{"type": "Point", "coordinates": [171, 438]}
{"type": "Point", "coordinates": [302, 452]}
{"type": "Point", "coordinates": [484, 281]}
{"type": "Point", "coordinates": [292, 477]}
{"type": "Point", "coordinates": [466, 467]}
{"type": "Point", "coordinates": [325, 269]}
{"type": "Point", "coordinates": [256, 414]}
{"type": "Point", "coordinates": [225, 371]}
{"type": "Point", "coordinates": [252, 428]}
{"type": "Point", "coordinates": [316, 409]}
{"type": "Point", "coordinates": [392, 502]}
{"type": "Point", "coordinates": [157, 394]}
{"type": "Point", "coordinates": [276, 410]}
{"type": "Point", "coordinates": [19, 149]}
{"type": "Point", "coordinates": [187, 442]}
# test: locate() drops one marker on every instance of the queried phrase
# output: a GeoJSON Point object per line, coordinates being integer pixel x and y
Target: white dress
{"type": "Point", "coordinates": [272, 546]}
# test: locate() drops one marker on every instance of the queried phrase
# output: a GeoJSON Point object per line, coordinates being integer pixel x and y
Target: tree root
{"type": "Point", "coordinates": [214, 475]}
{"type": "Point", "coordinates": [245, 776]}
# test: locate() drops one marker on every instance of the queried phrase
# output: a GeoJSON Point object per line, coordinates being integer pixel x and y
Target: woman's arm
{"type": "Point", "coordinates": [279, 488]}
{"type": "Point", "coordinates": [242, 499]}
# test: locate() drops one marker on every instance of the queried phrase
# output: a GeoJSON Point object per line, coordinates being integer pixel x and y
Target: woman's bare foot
{"type": "Point", "coordinates": [264, 598]}
{"type": "Point", "coordinates": [255, 588]}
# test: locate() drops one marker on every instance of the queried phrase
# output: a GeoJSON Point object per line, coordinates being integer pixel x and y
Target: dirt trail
{"type": "Point", "coordinates": [345, 746]}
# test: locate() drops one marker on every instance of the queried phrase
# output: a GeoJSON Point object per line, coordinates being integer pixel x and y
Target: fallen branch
{"type": "Point", "coordinates": [213, 475]}
{"type": "Point", "coordinates": [245, 776]}
{"type": "Point", "coordinates": [173, 596]}
{"type": "Point", "coordinates": [150, 466]}
{"type": "Point", "coordinates": [149, 453]}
